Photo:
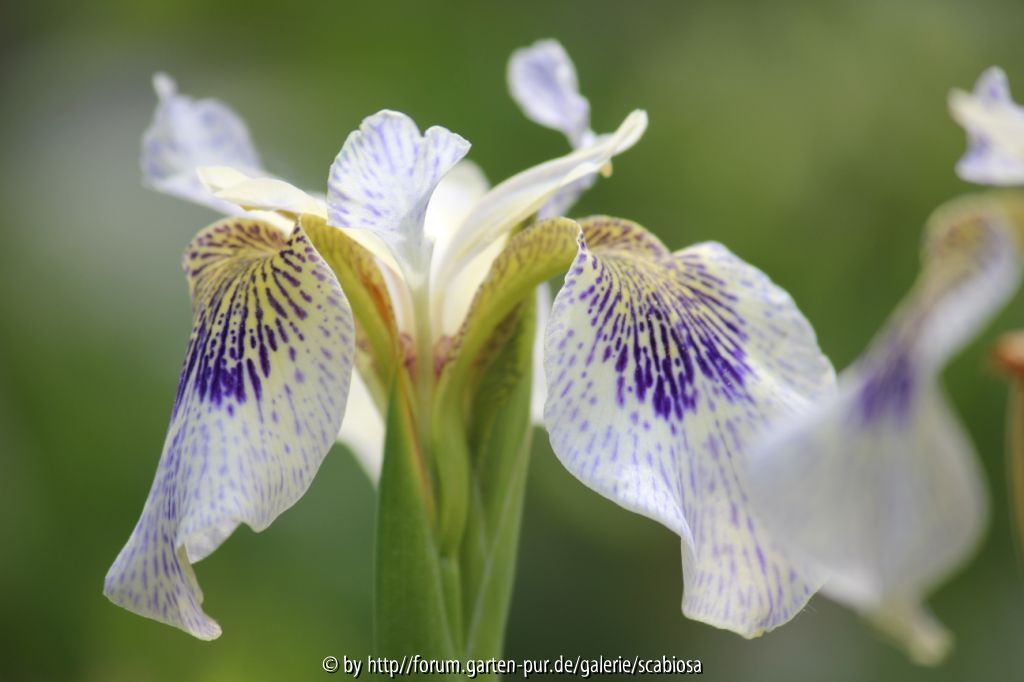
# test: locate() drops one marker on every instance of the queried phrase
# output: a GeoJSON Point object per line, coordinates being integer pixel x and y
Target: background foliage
{"type": "Point", "coordinates": [812, 140]}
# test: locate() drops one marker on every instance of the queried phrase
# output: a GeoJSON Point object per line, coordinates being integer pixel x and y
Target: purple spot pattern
{"type": "Point", "coordinates": [384, 175]}
{"type": "Point", "coordinates": [247, 434]}
{"type": "Point", "coordinates": [660, 368]}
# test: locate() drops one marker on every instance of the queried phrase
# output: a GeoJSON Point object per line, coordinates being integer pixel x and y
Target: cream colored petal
{"type": "Point", "coordinates": [522, 195]}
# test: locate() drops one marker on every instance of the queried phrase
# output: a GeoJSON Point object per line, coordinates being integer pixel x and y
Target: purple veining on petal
{"type": "Point", "coordinates": [661, 370]}
{"type": "Point", "coordinates": [887, 392]}
{"type": "Point", "coordinates": [244, 441]}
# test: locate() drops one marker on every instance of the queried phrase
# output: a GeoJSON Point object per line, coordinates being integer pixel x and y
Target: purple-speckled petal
{"type": "Point", "coordinates": [995, 131]}
{"type": "Point", "coordinates": [259, 403]}
{"type": "Point", "coordinates": [383, 178]}
{"type": "Point", "coordinates": [661, 367]}
{"type": "Point", "coordinates": [542, 80]}
{"type": "Point", "coordinates": [878, 486]}
{"type": "Point", "coordinates": [186, 134]}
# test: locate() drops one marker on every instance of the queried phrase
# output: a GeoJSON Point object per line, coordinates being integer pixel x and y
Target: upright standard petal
{"type": "Point", "coordinates": [995, 131]}
{"type": "Point", "coordinates": [259, 403]}
{"type": "Point", "coordinates": [382, 180]}
{"type": "Point", "coordinates": [542, 81]}
{"type": "Point", "coordinates": [522, 195]}
{"type": "Point", "coordinates": [661, 369]}
{"type": "Point", "coordinates": [186, 134]}
{"type": "Point", "coordinates": [878, 486]}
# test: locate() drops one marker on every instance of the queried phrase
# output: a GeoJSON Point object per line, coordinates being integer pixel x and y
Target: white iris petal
{"type": "Point", "coordinates": [995, 131]}
{"type": "Point", "coordinates": [186, 134]}
{"type": "Point", "coordinates": [879, 487]}
{"type": "Point", "coordinates": [542, 81]}
{"type": "Point", "coordinates": [382, 181]}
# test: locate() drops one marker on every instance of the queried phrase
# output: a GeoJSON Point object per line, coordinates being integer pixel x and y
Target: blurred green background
{"type": "Point", "coordinates": [813, 140]}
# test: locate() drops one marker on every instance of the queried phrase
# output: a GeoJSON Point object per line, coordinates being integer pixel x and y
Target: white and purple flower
{"type": "Point", "coordinates": [661, 368]}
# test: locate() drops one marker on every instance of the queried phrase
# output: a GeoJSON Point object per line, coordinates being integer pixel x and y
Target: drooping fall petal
{"type": "Point", "coordinates": [878, 486]}
{"type": "Point", "coordinates": [661, 369]}
{"type": "Point", "coordinates": [260, 401]}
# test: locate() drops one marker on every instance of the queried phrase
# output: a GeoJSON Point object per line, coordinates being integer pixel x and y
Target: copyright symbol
{"type": "Point", "coordinates": [330, 664]}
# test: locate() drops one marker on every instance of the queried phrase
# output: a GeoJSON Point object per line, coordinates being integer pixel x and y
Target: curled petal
{"type": "Point", "coordinates": [661, 369]}
{"type": "Point", "coordinates": [283, 201]}
{"type": "Point", "coordinates": [259, 403]}
{"type": "Point", "coordinates": [260, 193]}
{"type": "Point", "coordinates": [995, 131]}
{"type": "Point", "coordinates": [383, 178]}
{"type": "Point", "coordinates": [521, 196]}
{"type": "Point", "coordinates": [542, 80]}
{"type": "Point", "coordinates": [186, 134]}
{"type": "Point", "coordinates": [878, 487]}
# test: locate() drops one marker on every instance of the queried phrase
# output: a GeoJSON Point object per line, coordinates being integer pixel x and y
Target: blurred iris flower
{"type": "Point", "coordinates": [995, 131]}
{"type": "Point", "coordinates": [878, 487]}
{"type": "Point", "coordinates": [660, 367]}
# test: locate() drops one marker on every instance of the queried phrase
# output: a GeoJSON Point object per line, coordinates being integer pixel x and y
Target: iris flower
{"type": "Point", "coordinates": [660, 367]}
{"type": "Point", "coordinates": [878, 488]}
{"type": "Point", "coordinates": [995, 131]}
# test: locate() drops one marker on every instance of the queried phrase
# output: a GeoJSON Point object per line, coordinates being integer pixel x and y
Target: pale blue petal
{"type": "Point", "coordinates": [382, 180]}
{"type": "Point", "coordinates": [878, 486]}
{"type": "Point", "coordinates": [186, 134]}
{"type": "Point", "coordinates": [542, 80]}
{"type": "Point", "coordinates": [995, 131]}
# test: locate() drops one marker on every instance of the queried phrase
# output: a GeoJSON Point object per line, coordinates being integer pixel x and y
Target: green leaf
{"type": "Point", "coordinates": [410, 609]}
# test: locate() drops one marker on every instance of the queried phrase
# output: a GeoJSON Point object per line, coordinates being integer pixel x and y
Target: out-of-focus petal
{"type": "Point", "coordinates": [259, 404]}
{"type": "Point", "coordinates": [995, 131]}
{"type": "Point", "coordinates": [383, 178]}
{"type": "Point", "coordinates": [542, 81]}
{"type": "Point", "coordinates": [522, 195]}
{"type": "Point", "coordinates": [878, 486]}
{"type": "Point", "coordinates": [362, 429]}
{"type": "Point", "coordinates": [186, 134]}
{"type": "Point", "coordinates": [661, 370]}
{"type": "Point", "coordinates": [565, 198]}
